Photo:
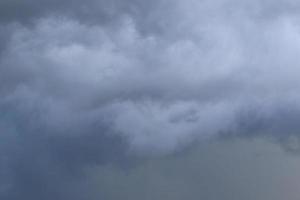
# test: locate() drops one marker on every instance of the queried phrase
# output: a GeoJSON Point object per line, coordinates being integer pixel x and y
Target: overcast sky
{"type": "Point", "coordinates": [161, 99]}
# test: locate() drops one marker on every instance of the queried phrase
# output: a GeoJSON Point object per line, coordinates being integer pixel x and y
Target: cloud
{"type": "Point", "coordinates": [87, 83]}
{"type": "Point", "coordinates": [223, 169]}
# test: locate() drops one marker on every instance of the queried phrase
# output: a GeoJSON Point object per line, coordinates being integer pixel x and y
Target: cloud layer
{"type": "Point", "coordinates": [86, 83]}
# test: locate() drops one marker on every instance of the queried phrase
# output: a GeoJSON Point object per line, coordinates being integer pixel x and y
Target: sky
{"type": "Point", "coordinates": [161, 99]}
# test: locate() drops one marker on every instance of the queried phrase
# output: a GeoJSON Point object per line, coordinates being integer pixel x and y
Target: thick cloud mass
{"type": "Point", "coordinates": [90, 82]}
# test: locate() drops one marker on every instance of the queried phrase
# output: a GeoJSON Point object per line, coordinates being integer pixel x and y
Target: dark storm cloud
{"type": "Point", "coordinates": [21, 11]}
{"type": "Point", "coordinates": [91, 11]}
{"type": "Point", "coordinates": [93, 82]}
{"type": "Point", "coordinates": [38, 161]}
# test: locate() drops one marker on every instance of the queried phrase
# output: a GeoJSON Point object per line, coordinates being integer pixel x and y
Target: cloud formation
{"type": "Point", "coordinates": [84, 83]}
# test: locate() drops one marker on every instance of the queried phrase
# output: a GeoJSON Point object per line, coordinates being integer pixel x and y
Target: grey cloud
{"type": "Point", "coordinates": [226, 169]}
{"type": "Point", "coordinates": [94, 82]}
{"type": "Point", "coordinates": [37, 161]}
{"type": "Point", "coordinates": [90, 11]}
